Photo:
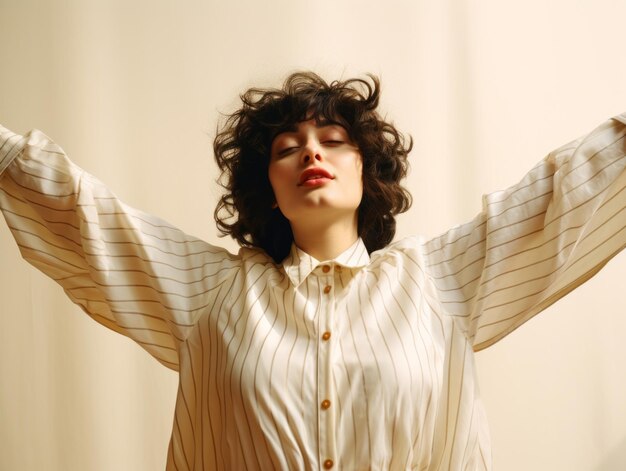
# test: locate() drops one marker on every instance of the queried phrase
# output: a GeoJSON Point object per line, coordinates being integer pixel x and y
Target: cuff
{"type": "Point", "coordinates": [621, 118]}
{"type": "Point", "coordinates": [11, 145]}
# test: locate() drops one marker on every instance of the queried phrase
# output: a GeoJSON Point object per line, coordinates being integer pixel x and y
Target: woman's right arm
{"type": "Point", "coordinates": [130, 271]}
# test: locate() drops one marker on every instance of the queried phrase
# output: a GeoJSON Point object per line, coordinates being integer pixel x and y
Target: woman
{"type": "Point", "coordinates": [320, 345]}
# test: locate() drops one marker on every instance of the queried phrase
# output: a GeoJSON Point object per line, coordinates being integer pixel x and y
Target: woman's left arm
{"type": "Point", "coordinates": [536, 241]}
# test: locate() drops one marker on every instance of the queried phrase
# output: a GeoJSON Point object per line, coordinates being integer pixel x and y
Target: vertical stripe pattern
{"type": "Point", "coordinates": [361, 362]}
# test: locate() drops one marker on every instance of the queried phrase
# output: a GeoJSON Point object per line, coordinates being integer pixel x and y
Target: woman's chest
{"type": "Point", "coordinates": [353, 338]}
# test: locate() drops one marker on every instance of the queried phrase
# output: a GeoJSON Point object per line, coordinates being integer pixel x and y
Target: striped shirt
{"type": "Point", "coordinates": [361, 362]}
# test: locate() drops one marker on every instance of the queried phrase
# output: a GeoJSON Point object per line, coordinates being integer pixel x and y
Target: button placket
{"type": "Point", "coordinates": [326, 411]}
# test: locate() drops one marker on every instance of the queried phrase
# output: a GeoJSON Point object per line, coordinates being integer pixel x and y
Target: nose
{"type": "Point", "coordinates": [312, 151]}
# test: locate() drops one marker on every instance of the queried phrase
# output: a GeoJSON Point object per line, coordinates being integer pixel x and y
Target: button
{"type": "Point", "coordinates": [325, 404]}
{"type": "Point", "coordinates": [338, 268]}
{"type": "Point", "coordinates": [328, 464]}
{"type": "Point", "coordinates": [327, 289]}
{"type": "Point", "coordinates": [325, 268]}
{"type": "Point", "coordinates": [326, 336]}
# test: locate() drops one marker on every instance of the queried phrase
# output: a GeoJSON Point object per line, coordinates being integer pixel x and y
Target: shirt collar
{"type": "Point", "coordinates": [299, 264]}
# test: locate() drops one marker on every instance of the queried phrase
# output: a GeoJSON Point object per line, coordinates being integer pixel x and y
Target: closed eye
{"type": "Point", "coordinates": [286, 151]}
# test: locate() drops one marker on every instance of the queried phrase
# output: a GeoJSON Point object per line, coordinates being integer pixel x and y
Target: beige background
{"type": "Point", "coordinates": [132, 88]}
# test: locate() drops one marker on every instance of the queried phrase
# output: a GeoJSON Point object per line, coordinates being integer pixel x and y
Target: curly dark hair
{"type": "Point", "coordinates": [242, 151]}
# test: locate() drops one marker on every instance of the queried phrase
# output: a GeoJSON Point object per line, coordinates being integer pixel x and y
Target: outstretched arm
{"type": "Point", "coordinates": [536, 241]}
{"type": "Point", "coordinates": [130, 271]}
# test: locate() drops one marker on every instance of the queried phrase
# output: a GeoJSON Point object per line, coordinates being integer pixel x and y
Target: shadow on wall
{"type": "Point", "coordinates": [615, 460]}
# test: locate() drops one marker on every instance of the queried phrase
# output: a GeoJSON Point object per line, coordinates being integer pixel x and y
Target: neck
{"type": "Point", "coordinates": [325, 241]}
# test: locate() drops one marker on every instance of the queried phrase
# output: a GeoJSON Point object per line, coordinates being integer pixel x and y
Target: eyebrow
{"type": "Point", "coordinates": [293, 128]}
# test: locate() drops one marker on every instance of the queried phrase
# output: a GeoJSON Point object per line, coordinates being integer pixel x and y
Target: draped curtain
{"type": "Point", "coordinates": [133, 90]}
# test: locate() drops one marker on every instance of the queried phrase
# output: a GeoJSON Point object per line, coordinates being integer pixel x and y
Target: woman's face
{"type": "Point", "coordinates": [316, 171]}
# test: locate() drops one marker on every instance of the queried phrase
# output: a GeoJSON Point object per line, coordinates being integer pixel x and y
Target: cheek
{"type": "Point", "coordinates": [359, 172]}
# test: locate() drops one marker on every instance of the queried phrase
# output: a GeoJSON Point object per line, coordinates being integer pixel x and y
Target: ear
{"type": "Point", "coordinates": [274, 205]}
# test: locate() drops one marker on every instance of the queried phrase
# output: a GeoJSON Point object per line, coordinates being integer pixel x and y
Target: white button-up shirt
{"type": "Point", "coordinates": [361, 362]}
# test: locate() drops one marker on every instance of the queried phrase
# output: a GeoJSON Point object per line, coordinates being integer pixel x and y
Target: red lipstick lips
{"type": "Point", "coordinates": [314, 175]}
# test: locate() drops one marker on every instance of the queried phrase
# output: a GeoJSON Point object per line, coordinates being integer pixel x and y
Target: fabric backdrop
{"type": "Point", "coordinates": [132, 90]}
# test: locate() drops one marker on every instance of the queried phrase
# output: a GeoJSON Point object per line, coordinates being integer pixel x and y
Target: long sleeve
{"type": "Point", "coordinates": [129, 271]}
{"type": "Point", "coordinates": [536, 241]}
